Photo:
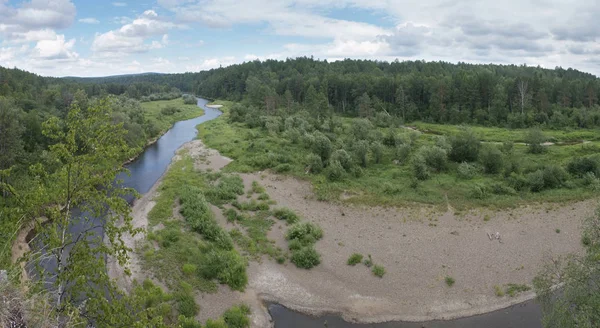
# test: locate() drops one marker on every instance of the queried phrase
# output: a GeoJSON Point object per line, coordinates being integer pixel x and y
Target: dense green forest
{"type": "Point", "coordinates": [513, 96]}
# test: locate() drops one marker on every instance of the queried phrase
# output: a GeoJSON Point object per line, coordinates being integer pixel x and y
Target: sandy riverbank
{"type": "Point", "coordinates": [418, 247]}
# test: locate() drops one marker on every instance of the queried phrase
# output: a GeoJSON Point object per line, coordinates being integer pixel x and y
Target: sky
{"type": "Point", "coordinates": [99, 38]}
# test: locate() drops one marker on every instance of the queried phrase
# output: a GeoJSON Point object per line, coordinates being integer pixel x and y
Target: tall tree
{"type": "Point", "coordinates": [11, 146]}
{"type": "Point", "coordinates": [86, 213]}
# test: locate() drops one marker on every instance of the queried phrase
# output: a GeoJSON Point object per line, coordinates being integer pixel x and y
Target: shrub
{"type": "Point", "coordinates": [513, 289]}
{"type": "Point", "coordinates": [189, 269]}
{"type": "Point", "coordinates": [343, 157]}
{"type": "Point", "coordinates": [170, 237]}
{"type": "Point", "coordinates": [420, 168]}
{"type": "Point", "coordinates": [442, 142]}
{"type": "Point", "coordinates": [402, 152]}
{"type": "Point", "coordinates": [237, 317]}
{"type": "Point", "coordinates": [287, 215]}
{"type": "Point", "coordinates": [465, 146]}
{"type": "Point", "coordinates": [377, 149]}
{"type": "Point", "coordinates": [322, 146]}
{"type": "Point", "coordinates": [579, 166]}
{"type": "Point", "coordinates": [226, 266]}
{"type": "Point", "coordinates": [535, 181]}
{"type": "Point", "coordinates": [360, 129]}
{"type": "Point", "coordinates": [186, 305]}
{"type": "Point", "coordinates": [361, 149]}
{"type": "Point", "coordinates": [554, 176]}
{"type": "Point", "coordinates": [231, 215]}
{"type": "Point", "coordinates": [354, 259]}
{"type": "Point", "coordinates": [303, 231]}
{"type": "Point", "coordinates": [282, 168]}
{"type": "Point", "coordinates": [306, 257]}
{"type": "Point", "coordinates": [314, 163]}
{"type": "Point", "coordinates": [335, 171]}
{"type": "Point", "coordinates": [449, 281]}
{"type": "Point", "coordinates": [184, 322]}
{"type": "Point", "coordinates": [492, 160]}
{"type": "Point", "coordinates": [378, 270]}
{"type": "Point", "coordinates": [479, 191]}
{"type": "Point", "coordinates": [500, 189]}
{"type": "Point", "coordinates": [466, 171]}
{"type": "Point", "coordinates": [226, 190]}
{"type": "Point", "coordinates": [518, 182]}
{"type": "Point", "coordinates": [507, 147]}
{"type": "Point", "coordinates": [189, 100]}
{"type": "Point", "coordinates": [534, 140]}
{"type": "Point", "coordinates": [368, 262]}
{"type": "Point", "coordinates": [220, 323]}
{"type": "Point", "coordinates": [169, 110]}
{"type": "Point", "coordinates": [435, 157]}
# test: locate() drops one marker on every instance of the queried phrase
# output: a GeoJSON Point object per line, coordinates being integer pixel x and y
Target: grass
{"type": "Point", "coordinates": [513, 290]}
{"type": "Point", "coordinates": [498, 291]}
{"type": "Point", "coordinates": [393, 184]}
{"type": "Point", "coordinates": [557, 230]}
{"type": "Point", "coordinates": [154, 111]}
{"type": "Point", "coordinates": [378, 271]}
{"type": "Point", "coordinates": [449, 281]}
{"type": "Point", "coordinates": [355, 259]}
{"type": "Point", "coordinates": [287, 215]}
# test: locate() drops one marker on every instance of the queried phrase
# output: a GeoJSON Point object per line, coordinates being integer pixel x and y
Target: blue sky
{"type": "Point", "coordinates": [96, 38]}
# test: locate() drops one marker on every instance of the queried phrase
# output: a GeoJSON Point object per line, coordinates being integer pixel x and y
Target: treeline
{"type": "Point", "coordinates": [514, 96]}
{"type": "Point", "coordinates": [494, 95]}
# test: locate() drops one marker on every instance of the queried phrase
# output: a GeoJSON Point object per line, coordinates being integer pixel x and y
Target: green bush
{"type": "Point", "coordinates": [535, 181]}
{"type": "Point", "coordinates": [377, 150]}
{"type": "Point", "coordinates": [287, 215]}
{"type": "Point", "coordinates": [169, 237]}
{"type": "Point", "coordinates": [435, 157]}
{"type": "Point", "coordinates": [189, 269]}
{"type": "Point", "coordinates": [303, 231]}
{"type": "Point", "coordinates": [322, 146]}
{"type": "Point", "coordinates": [355, 259]}
{"type": "Point", "coordinates": [189, 100]}
{"type": "Point", "coordinates": [554, 176]}
{"type": "Point", "coordinates": [465, 147]}
{"type": "Point", "coordinates": [361, 149]}
{"type": "Point", "coordinates": [466, 171]}
{"type": "Point", "coordinates": [368, 262]}
{"type": "Point", "coordinates": [402, 152]}
{"type": "Point", "coordinates": [500, 189]}
{"type": "Point", "coordinates": [579, 166]}
{"type": "Point", "coordinates": [306, 257]}
{"type": "Point", "coordinates": [282, 168]}
{"type": "Point", "coordinates": [343, 158]}
{"type": "Point", "coordinates": [184, 322]}
{"type": "Point", "coordinates": [186, 305]}
{"type": "Point", "coordinates": [237, 317]}
{"type": "Point", "coordinates": [491, 159]}
{"type": "Point", "coordinates": [534, 140]}
{"type": "Point", "coordinates": [227, 189]}
{"type": "Point", "coordinates": [449, 281]}
{"type": "Point", "coordinates": [314, 163]}
{"type": "Point", "coordinates": [479, 191]}
{"type": "Point", "coordinates": [420, 168]}
{"type": "Point", "coordinates": [378, 270]}
{"type": "Point", "coordinates": [228, 267]}
{"type": "Point", "coordinates": [220, 323]}
{"type": "Point", "coordinates": [335, 171]}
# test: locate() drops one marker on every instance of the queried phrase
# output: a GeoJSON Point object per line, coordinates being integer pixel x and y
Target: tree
{"type": "Point", "coordinates": [11, 146]}
{"type": "Point", "coordinates": [576, 303]}
{"type": "Point", "coordinates": [535, 139]}
{"type": "Point", "coordinates": [523, 93]}
{"type": "Point", "coordinates": [365, 108]}
{"type": "Point", "coordinates": [464, 147]}
{"type": "Point", "coordinates": [86, 212]}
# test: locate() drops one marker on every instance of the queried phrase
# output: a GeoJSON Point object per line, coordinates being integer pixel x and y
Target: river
{"type": "Point", "coordinates": [152, 164]}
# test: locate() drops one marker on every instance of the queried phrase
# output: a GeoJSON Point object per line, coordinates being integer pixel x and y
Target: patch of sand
{"type": "Point", "coordinates": [418, 248]}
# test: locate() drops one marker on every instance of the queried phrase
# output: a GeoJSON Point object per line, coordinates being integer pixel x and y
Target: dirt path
{"type": "Point", "coordinates": [418, 247]}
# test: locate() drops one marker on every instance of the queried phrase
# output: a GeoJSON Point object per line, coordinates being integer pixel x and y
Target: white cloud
{"type": "Point", "coordinates": [131, 38]}
{"type": "Point", "coordinates": [119, 4]}
{"type": "Point", "coordinates": [35, 15]}
{"type": "Point", "coordinates": [89, 20]}
{"type": "Point", "coordinates": [57, 49]}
